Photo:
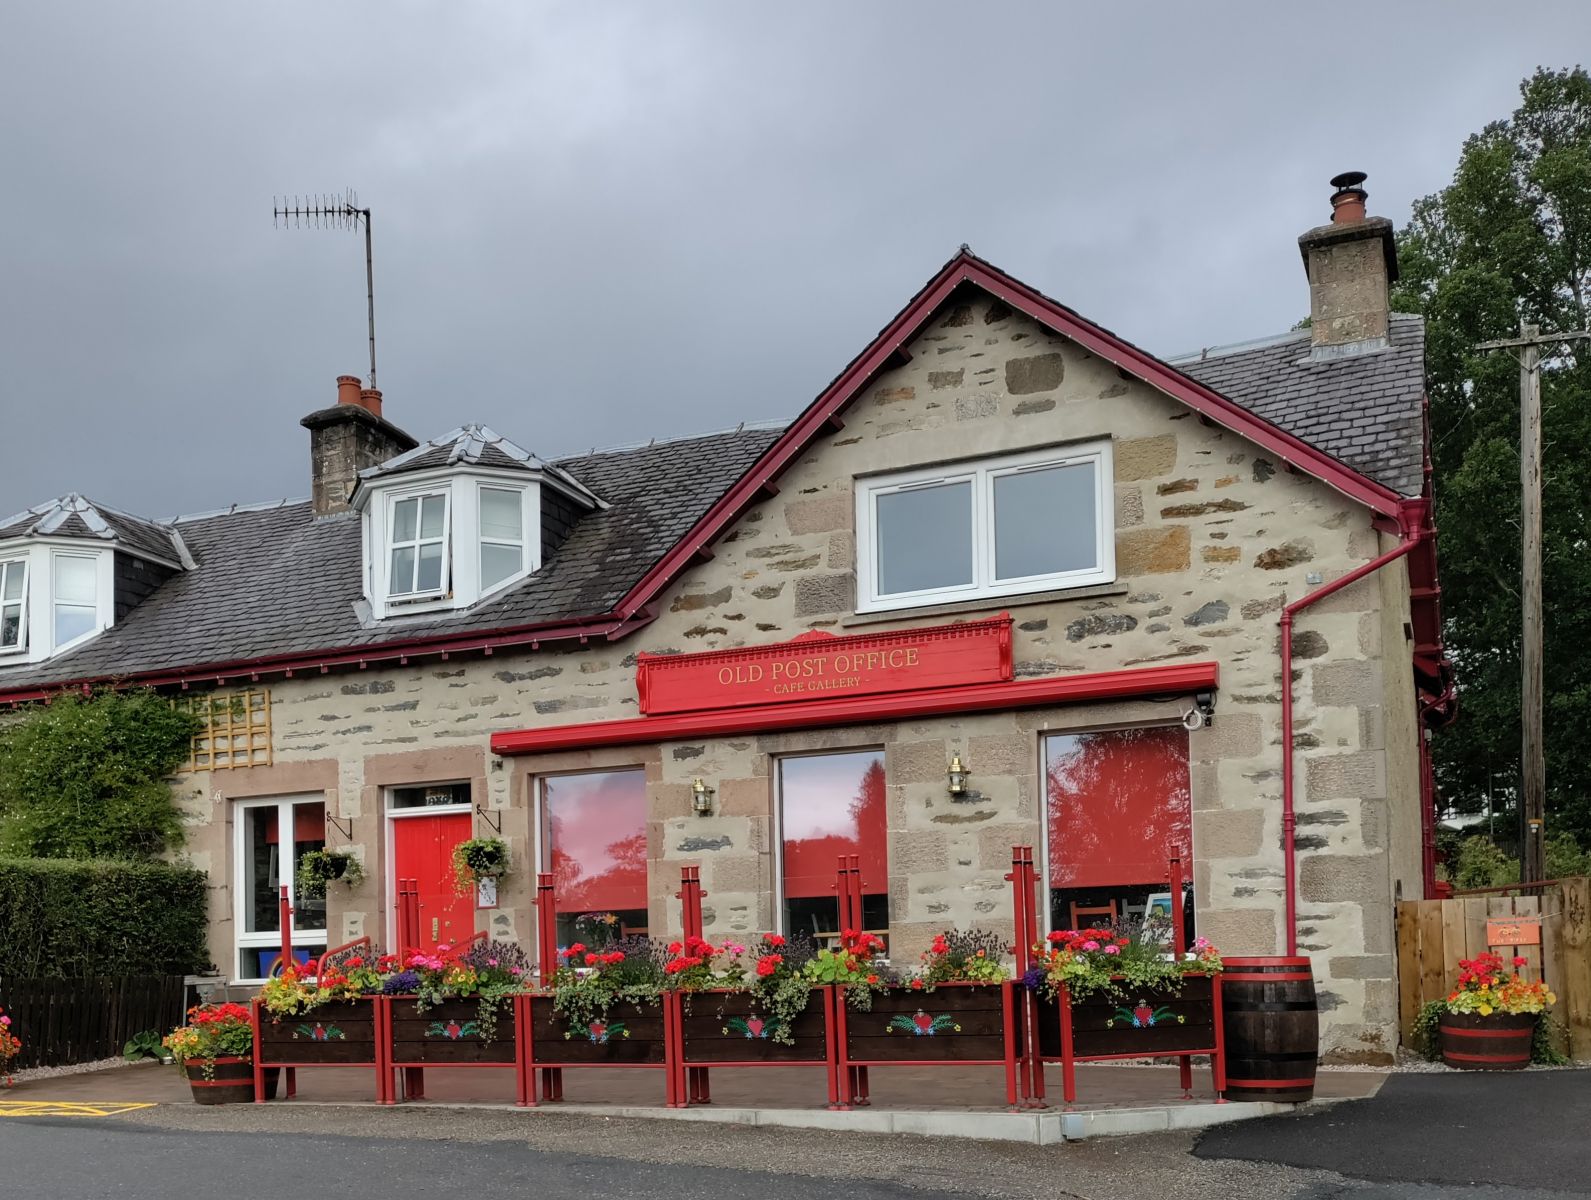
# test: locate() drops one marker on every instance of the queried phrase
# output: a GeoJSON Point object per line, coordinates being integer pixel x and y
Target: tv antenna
{"type": "Point", "coordinates": [333, 212]}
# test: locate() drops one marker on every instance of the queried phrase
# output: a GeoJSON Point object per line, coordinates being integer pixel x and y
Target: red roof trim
{"type": "Point", "coordinates": [967, 267]}
{"type": "Point", "coordinates": [1171, 679]}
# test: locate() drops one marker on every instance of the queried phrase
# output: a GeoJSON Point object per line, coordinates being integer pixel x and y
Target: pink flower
{"type": "Point", "coordinates": [1090, 945]}
{"type": "Point", "coordinates": [1112, 949]}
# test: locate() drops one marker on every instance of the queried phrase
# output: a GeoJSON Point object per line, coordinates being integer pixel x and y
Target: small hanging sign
{"type": "Point", "coordinates": [1515, 931]}
{"type": "Point", "coordinates": [486, 893]}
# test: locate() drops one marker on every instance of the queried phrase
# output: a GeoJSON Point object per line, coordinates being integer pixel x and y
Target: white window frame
{"type": "Point", "coordinates": [982, 473]}
{"type": "Point", "coordinates": [393, 543]}
{"type": "Point", "coordinates": [21, 645]}
{"type": "Point", "coordinates": [522, 545]}
{"type": "Point", "coordinates": [95, 605]}
{"type": "Point", "coordinates": [243, 940]}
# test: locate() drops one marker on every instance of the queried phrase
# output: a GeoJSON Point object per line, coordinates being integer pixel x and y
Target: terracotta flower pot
{"type": "Point", "coordinates": [1500, 1042]}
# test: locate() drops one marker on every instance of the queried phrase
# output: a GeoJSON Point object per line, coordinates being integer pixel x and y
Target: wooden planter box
{"type": "Point", "coordinates": [336, 1034]}
{"type": "Point", "coordinates": [1148, 1022]}
{"type": "Point", "coordinates": [953, 1022]}
{"type": "Point", "coordinates": [722, 1026]}
{"type": "Point", "coordinates": [450, 1035]}
{"type": "Point", "coordinates": [632, 1035]}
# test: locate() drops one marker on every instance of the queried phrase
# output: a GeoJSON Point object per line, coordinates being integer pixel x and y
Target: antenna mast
{"type": "Point", "coordinates": [333, 212]}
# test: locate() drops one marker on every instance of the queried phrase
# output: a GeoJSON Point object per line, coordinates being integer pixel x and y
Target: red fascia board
{"type": "Point", "coordinates": [1170, 679]}
{"type": "Point", "coordinates": [968, 268]}
{"type": "Point", "coordinates": [582, 630]}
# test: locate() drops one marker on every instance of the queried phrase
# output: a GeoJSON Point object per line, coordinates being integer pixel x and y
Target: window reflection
{"type": "Point", "coordinates": [594, 831]}
{"type": "Point", "coordinates": [833, 804]}
{"type": "Point", "coordinates": [1118, 811]}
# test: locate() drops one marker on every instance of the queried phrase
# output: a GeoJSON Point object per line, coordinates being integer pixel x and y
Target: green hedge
{"type": "Point", "coordinates": [68, 918]}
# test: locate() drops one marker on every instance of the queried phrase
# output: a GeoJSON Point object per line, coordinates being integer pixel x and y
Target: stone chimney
{"type": "Point", "coordinates": [346, 438]}
{"type": "Point", "coordinates": [1351, 263]}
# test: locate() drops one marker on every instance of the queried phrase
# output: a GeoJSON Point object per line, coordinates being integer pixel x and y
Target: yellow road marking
{"type": "Point", "coordinates": [58, 1108]}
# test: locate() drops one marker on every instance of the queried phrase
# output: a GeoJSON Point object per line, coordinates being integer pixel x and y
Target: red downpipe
{"type": "Point", "coordinates": [1414, 510]}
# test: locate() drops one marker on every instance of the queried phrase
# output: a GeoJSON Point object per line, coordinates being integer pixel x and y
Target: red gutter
{"type": "Point", "coordinates": [1413, 518]}
{"type": "Point", "coordinates": [1172, 679]}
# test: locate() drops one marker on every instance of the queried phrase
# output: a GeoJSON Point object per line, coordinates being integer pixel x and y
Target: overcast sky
{"type": "Point", "coordinates": [597, 223]}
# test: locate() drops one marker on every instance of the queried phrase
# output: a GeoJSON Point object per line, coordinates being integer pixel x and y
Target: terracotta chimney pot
{"type": "Point", "coordinates": [370, 401]}
{"type": "Point", "coordinates": [1348, 201]}
{"type": "Point", "coordinates": [348, 389]}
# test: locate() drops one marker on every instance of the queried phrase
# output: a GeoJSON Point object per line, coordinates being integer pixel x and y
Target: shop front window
{"type": "Point", "coordinates": [829, 805]}
{"type": "Point", "coordinates": [1118, 813]}
{"type": "Point", "coordinates": [262, 868]}
{"type": "Point", "coordinates": [593, 837]}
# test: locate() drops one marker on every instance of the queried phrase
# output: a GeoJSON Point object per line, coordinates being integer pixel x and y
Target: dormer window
{"type": "Point", "coordinates": [76, 602]}
{"type": "Point", "coordinates": [502, 535]}
{"type": "Point", "coordinates": [13, 605]}
{"type": "Point", "coordinates": [419, 557]}
{"type": "Point", "coordinates": [451, 522]}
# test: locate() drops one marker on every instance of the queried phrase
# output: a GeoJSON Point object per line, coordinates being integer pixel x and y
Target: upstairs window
{"type": "Point", "coordinates": [419, 550]}
{"type": "Point", "coordinates": [76, 597]}
{"type": "Point", "coordinates": [992, 527]}
{"type": "Point", "coordinates": [13, 605]}
{"type": "Point", "coordinates": [502, 535]}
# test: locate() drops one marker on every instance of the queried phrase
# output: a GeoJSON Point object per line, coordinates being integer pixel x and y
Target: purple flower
{"type": "Point", "coordinates": [401, 984]}
{"type": "Point", "coordinates": [1033, 979]}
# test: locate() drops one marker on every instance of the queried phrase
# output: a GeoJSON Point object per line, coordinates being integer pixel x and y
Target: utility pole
{"type": "Point", "coordinates": [1532, 758]}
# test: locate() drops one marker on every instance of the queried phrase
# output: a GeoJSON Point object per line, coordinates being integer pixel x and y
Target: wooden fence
{"type": "Point", "coordinates": [66, 1021]}
{"type": "Point", "coordinates": [1434, 934]}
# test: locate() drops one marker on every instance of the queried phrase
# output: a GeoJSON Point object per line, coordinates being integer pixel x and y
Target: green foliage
{"type": "Point", "coordinates": [76, 918]}
{"type": "Point", "coordinates": [1481, 864]}
{"type": "Point", "coordinates": [143, 1045]}
{"type": "Point", "coordinates": [317, 868]}
{"type": "Point", "coordinates": [1565, 858]}
{"type": "Point", "coordinates": [86, 778]}
{"type": "Point", "coordinates": [478, 859]}
{"type": "Point", "coordinates": [1507, 240]}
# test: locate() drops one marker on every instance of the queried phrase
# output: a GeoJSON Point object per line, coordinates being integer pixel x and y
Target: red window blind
{"type": "Point", "coordinates": [832, 804]}
{"type": "Point", "coordinates": [309, 824]}
{"type": "Point", "coordinates": [1119, 807]}
{"type": "Point", "coordinates": [596, 833]}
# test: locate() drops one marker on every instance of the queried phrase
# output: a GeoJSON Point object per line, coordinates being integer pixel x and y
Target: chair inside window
{"type": "Point", "coordinates": [1086, 915]}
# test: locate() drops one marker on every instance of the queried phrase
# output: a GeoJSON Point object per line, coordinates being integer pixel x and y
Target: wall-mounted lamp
{"type": "Point", "coordinates": [701, 797]}
{"type": "Point", "coordinates": [957, 776]}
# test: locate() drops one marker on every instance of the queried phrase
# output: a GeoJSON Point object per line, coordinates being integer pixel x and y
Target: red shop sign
{"type": "Point", "coordinates": [819, 666]}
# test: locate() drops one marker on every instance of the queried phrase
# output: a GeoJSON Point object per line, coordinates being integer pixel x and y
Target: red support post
{"type": "Point", "coordinates": [1218, 1059]}
{"type": "Point", "coordinates": [698, 1087]}
{"type": "Point", "coordinates": [259, 1069]}
{"type": "Point", "coordinates": [547, 960]}
{"type": "Point", "coordinates": [1068, 1055]}
{"type": "Point", "coordinates": [1025, 920]}
{"type": "Point", "coordinates": [831, 1047]}
{"type": "Point", "coordinates": [1179, 946]}
{"type": "Point", "coordinates": [1008, 1026]}
{"type": "Point", "coordinates": [408, 915]}
{"type": "Point", "coordinates": [284, 922]}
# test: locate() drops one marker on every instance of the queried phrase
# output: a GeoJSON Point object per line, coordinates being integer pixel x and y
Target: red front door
{"type": "Point", "coordinates": [422, 850]}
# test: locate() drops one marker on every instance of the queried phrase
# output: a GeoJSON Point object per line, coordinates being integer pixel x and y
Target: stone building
{"type": "Point", "coordinates": [1008, 580]}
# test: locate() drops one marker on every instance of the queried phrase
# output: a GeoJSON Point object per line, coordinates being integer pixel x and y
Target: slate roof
{"type": "Point", "coordinates": [473, 445]}
{"type": "Point", "coordinates": [273, 580]}
{"type": "Point", "coordinates": [75, 516]}
{"type": "Point", "coordinates": [1366, 410]}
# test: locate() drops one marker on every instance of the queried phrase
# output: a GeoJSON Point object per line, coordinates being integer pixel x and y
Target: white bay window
{"type": "Point", "coordinates": [76, 601]}
{"type": "Point", "coordinates": [502, 528]}
{"type": "Point", "coordinates": [986, 528]}
{"type": "Point", "coordinates": [13, 605]}
{"type": "Point", "coordinates": [419, 546]}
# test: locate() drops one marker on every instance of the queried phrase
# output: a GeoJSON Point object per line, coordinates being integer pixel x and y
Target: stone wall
{"type": "Point", "coordinates": [1212, 536]}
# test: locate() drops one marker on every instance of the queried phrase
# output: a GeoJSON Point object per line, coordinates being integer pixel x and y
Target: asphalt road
{"type": "Point", "coordinates": [1423, 1138]}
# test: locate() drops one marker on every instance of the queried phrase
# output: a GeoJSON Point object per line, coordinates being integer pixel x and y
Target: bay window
{"type": "Point", "coordinates": [419, 546]}
{"type": "Point", "coordinates": [829, 805]}
{"type": "Point", "coordinates": [13, 604]}
{"type": "Point", "coordinates": [1118, 812]}
{"type": "Point", "coordinates": [593, 839]}
{"type": "Point", "coordinates": [986, 528]}
{"type": "Point", "coordinates": [265, 861]}
{"type": "Point", "coordinates": [502, 535]}
{"type": "Point", "coordinates": [76, 599]}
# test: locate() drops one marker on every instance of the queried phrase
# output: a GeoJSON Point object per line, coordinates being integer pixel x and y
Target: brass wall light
{"type": "Point", "coordinates": [701, 797]}
{"type": "Point", "coordinates": [957, 776]}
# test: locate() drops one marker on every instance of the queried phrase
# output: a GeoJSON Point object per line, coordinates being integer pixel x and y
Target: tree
{"type": "Point", "coordinates": [1510, 239]}
{"type": "Point", "coordinates": [87, 778]}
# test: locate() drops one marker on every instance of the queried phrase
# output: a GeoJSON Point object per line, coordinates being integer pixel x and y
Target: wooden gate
{"type": "Point", "coordinates": [1434, 934]}
{"type": "Point", "coordinates": [66, 1021]}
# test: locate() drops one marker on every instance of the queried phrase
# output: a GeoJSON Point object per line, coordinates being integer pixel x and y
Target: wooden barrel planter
{"type": "Point", "coordinates": [342, 1032]}
{"type": "Point", "coordinates": [629, 1035]}
{"type": "Point", "coordinates": [228, 1081]}
{"type": "Point", "coordinates": [451, 1034]}
{"type": "Point", "coordinates": [1147, 1022]}
{"type": "Point", "coordinates": [1272, 1028]}
{"type": "Point", "coordinates": [953, 1022]}
{"type": "Point", "coordinates": [727, 1027]}
{"type": "Point", "coordinates": [1500, 1042]}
